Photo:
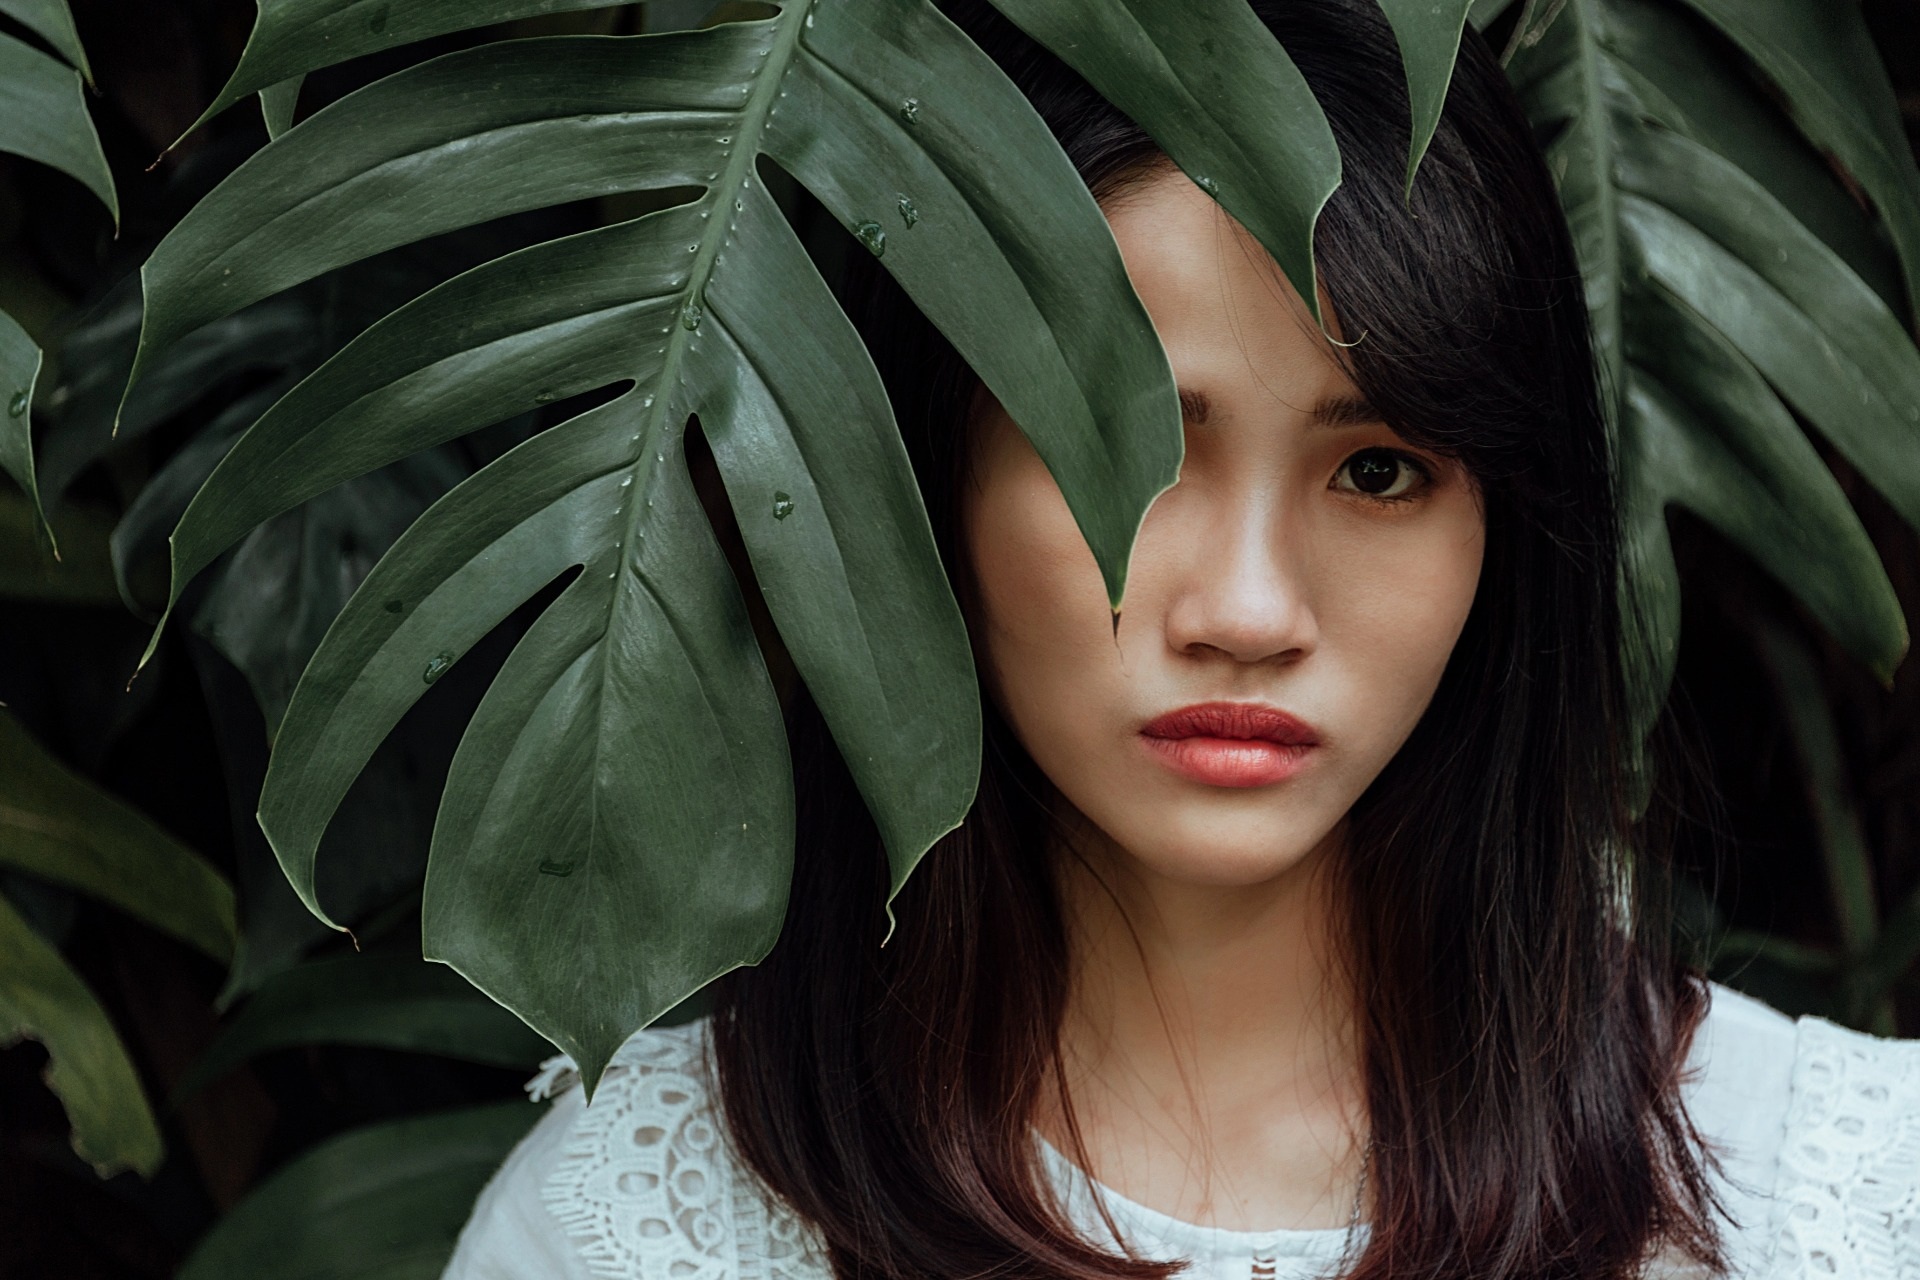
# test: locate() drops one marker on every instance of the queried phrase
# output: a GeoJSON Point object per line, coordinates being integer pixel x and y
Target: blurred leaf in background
{"type": "Point", "coordinates": [58, 828]}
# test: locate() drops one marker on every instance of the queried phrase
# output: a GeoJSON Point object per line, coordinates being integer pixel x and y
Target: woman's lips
{"type": "Point", "coordinates": [1231, 744]}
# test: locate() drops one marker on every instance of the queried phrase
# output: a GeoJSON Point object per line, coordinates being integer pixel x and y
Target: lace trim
{"type": "Point", "coordinates": [647, 1185]}
{"type": "Point", "coordinates": [1847, 1198]}
{"type": "Point", "coordinates": [649, 1189]}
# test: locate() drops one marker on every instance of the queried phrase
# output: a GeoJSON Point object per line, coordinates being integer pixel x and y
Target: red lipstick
{"type": "Point", "coordinates": [1231, 744]}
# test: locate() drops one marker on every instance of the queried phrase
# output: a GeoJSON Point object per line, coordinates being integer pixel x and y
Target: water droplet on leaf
{"type": "Point", "coordinates": [908, 214]}
{"type": "Point", "coordinates": [691, 315]}
{"type": "Point", "coordinates": [377, 20]}
{"type": "Point", "coordinates": [549, 867]}
{"type": "Point", "coordinates": [438, 665]}
{"type": "Point", "coordinates": [871, 235]}
{"type": "Point", "coordinates": [910, 111]}
{"type": "Point", "coordinates": [17, 407]}
{"type": "Point", "coordinates": [546, 397]}
{"type": "Point", "coordinates": [1208, 185]}
{"type": "Point", "coordinates": [782, 505]}
{"type": "Point", "coordinates": [395, 606]}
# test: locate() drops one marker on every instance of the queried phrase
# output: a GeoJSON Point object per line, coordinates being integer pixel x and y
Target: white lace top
{"type": "Point", "coordinates": [1818, 1129]}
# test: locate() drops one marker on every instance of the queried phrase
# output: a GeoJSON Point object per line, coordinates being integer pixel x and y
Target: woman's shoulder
{"type": "Point", "coordinates": [638, 1184]}
{"type": "Point", "coordinates": [1817, 1129]}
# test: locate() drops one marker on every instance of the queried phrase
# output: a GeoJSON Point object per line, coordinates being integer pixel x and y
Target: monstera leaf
{"type": "Point", "coordinates": [43, 117]}
{"type": "Point", "coordinates": [1736, 291]}
{"type": "Point", "coordinates": [1209, 83]}
{"type": "Point", "coordinates": [617, 826]}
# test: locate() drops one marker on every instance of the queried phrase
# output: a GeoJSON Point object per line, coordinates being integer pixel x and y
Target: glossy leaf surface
{"type": "Point", "coordinates": [1829, 75]}
{"type": "Point", "coordinates": [52, 20]}
{"type": "Point", "coordinates": [293, 37]}
{"type": "Point", "coordinates": [278, 102]}
{"type": "Point", "coordinates": [382, 1203]}
{"type": "Point", "coordinates": [19, 373]}
{"type": "Point", "coordinates": [1210, 84]}
{"type": "Point", "coordinates": [627, 777]}
{"type": "Point", "coordinates": [1745, 315]}
{"type": "Point", "coordinates": [1428, 32]}
{"type": "Point", "coordinates": [43, 116]}
{"type": "Point", "coordinates": [88, 1069]}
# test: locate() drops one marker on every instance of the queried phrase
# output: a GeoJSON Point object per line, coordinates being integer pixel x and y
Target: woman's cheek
{"type": "Point", "coordinates": [1401, 602]}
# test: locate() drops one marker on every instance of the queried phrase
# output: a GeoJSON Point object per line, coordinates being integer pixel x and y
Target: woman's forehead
{"type": "Point", "coordinates": [1233, 326]}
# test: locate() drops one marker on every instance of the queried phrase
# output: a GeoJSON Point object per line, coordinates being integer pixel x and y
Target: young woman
{"type": "Point", "coordinates": [1299, 927]}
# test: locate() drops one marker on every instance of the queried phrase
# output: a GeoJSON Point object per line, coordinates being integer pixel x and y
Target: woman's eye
{"type": "Point", "coordinates": [1380, 473]}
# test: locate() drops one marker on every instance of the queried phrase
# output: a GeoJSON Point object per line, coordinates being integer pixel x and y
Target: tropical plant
{"type": "Point", "coordinates": [43, 116]}
{"type": "Point", "coordinates": [1751, 274]}
{"type": "Point", "coordinates": [645, 667]}
{"type": "Point", "coordinates": [55, 827]}
{"type": "Point", "coordinates": [1743, 202]}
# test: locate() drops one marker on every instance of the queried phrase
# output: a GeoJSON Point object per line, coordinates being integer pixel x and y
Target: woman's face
{"type": "Point", "coordinates": [1292, 600]}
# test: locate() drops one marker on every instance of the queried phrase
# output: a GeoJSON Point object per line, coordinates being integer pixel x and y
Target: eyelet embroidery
{"type": "Point", "coordinates": [649, 1189]}
{"type": "Point", "coordinates": [1847, 1196]}
{"type": "Point", "coordinates": [647, 1186]}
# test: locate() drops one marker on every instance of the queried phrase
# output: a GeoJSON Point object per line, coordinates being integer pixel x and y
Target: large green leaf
{"type": "Point", "coordinates": [62, 828]}
{"type": "Point", "coordinates": [1702, 429]}
{"type": "Point", "coordinates": [1428, 32]}
{"type": "Point", "coordinates": [19, 370]}
{"type": "Point", "coordinates": [617, 826]}
{"type": "Point", "coordinates": [1567, 80]}
{"type": "Point", "coordinates": [1684, 77]}
{"type": "Point", "coordinates": [292, 37]}
{"type": "Point", "coordinates": [1210, 84]}
{"type": "Point", "coordinates": [53, 22]}
{"type": "Point", "coordinates": [1710, 234]}
{"type": "Point", "coordinates": [42, 999]}
{"type": "Point", "coordinates": [43, 116]}
{"type": "Point", "coordinates": [382, 1002]}
{"type": "Point", "coordinates": [1674, 235]}
{"type": "Point", "coordinates": [382, 1203]}
{"type": "Point", "coordinates": [1484, 12]}
{"type": "Point", "coordinates": [1822, 58]}
{"type": "Point", "coordinates": [278, 102]}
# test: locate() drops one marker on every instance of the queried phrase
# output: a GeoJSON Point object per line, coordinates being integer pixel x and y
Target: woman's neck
{"type": "Point", "coordinates": [1209, 1041]}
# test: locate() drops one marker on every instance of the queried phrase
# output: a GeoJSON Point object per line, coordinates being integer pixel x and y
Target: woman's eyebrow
{"type": "Point", "coordinates": [1334, 411]}
{"type": "Point", "coordinates": [1345, 411]}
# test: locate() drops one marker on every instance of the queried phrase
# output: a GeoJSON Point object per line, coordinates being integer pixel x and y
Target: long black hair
{"type": "Point", "coordinates": [1524, 1022]}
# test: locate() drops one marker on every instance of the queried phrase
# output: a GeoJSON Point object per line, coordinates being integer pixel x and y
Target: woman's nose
{"type": "Point", "coordinates": [1241, 591]}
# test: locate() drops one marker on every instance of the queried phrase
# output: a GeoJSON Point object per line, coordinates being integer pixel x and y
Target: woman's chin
{"type": "Point", "coordinates": [1204, 855]}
